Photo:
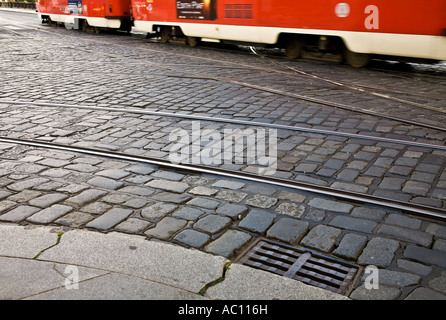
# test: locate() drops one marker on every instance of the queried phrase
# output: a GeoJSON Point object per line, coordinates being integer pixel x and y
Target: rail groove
{"type": "Point", "coordinates": [235, 121]}
{"type": "Point", "coordinates": [421, 210]}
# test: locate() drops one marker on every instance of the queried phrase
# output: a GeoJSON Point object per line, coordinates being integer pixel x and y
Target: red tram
{"type": "Point", "coordinates": [356, 28]}
{"type": "Point", "coordinates": [91, 15]}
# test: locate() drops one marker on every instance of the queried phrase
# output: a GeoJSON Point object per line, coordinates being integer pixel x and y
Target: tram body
{"type": "Point", "coordinates": [356, 28]}
{"type": "Point", "coordinates": [113, 14]}
{"type": "Point", "coordinates": [411, 28]}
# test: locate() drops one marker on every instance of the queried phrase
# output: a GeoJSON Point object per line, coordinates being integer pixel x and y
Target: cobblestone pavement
{"type": "Point", "coordinates": [211, 213]}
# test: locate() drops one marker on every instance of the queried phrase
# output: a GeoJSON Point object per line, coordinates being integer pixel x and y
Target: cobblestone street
{"type": "Point", "coordinates": [373, 131]}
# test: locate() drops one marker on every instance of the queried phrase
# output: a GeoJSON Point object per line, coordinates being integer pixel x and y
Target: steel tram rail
{"type": "Point", "coordinates": [346, 85]}
{"type": "Point", "coordinates": [335, 105]}
{"type": "Point", "coordinates": [421, 210]}
{"type": "Point", "coordinates": [235, 121]}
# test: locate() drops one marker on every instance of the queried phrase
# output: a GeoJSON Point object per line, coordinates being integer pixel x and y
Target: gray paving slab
{"type": "Point", "coordinates": [21, 242]}
{"type": "Point", "coordinates": [379, 252]}
{"type": "Point", "coordinates": [426, 255]}
{"type": "Point", "coordinates": [331, 205]}
{"type": "Point", "coordinates": [21, 278]}
{"type": "Point", "coordinates": [118, 266]}
{"type": "Point", "coordinates": [20, 213]}
{"type": "Point", "coordinates": [288, 230]}
{"type": "Point", "coordinates": [28, 278]}
{"type": "Point", "coordinates": [192, 238]}
{"type": "Point", "coordinates": [117, 286]}
{"type": "Point", "coordinates": [353, 223]}
{"type": "Point", "coordinates": [257, 220]}
{"type": "Point", "coordinates": [110, 218]}
{"type": "Point", "coordinates": [416, 236]}
{"type": "Point", "coordinates": [86, 196]}
{"type": "Point", "coordinates": [212, 223]}
{"type": "Point", "coordinates": [245, 283]}
{"type": "Point", "coordinates": [228, 242]}
{"type": "Point", "coordinates": [150, 260]}
{"type": "Point", "coordinates": [351, 246]}
{"type": "Point", "coordinates": [321, 238]}
{"type": "Point", "coordinates": [425, 294]}
{"type": "Point", "coordinates": [382, 293]}
{"type": "Point", "coordinates": [168, 185]}
{"type": "Point", "coordinates": [50, 214]}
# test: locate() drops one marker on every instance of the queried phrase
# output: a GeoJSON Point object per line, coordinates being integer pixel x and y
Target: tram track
{"type": "Point", "coordinates": [308, 75]}
{"type": "Point", "coordinates": [291, 182]}
{"type": "Point", "coordinates": [306, 98]}
{"type": "Point", "coordinates": [318, 101]}
{"type": "Point", "coordinates": [350, 86]}
{"type": "Point", "coordinates": [412, 208]}
{"type": "Point", "coordinates": [358, 88]}
{"type": "Point", "coordinates": [232, 121]}
{"type": "Point", "coordinates": [344, 85]}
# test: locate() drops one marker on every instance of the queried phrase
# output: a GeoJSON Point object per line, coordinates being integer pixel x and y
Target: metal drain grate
{"type": "Point", "coordinates": [300, 264]}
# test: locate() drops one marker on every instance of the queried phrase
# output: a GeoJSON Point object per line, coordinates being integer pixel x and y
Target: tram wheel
{"type": "Point", "coordinates": [84, 25]}
{"type": "Point", "coordinates": [357, 60]}
{"type": "Point", "coordinates": [192, 41]}
{"type": "Point", "coordinates": [165, 34]}
{"type": "Point", "coordinates": [293, 48]}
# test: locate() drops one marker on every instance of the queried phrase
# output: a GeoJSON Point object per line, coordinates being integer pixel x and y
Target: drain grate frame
{"type": "Point", "coordinates": [304, 265]}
